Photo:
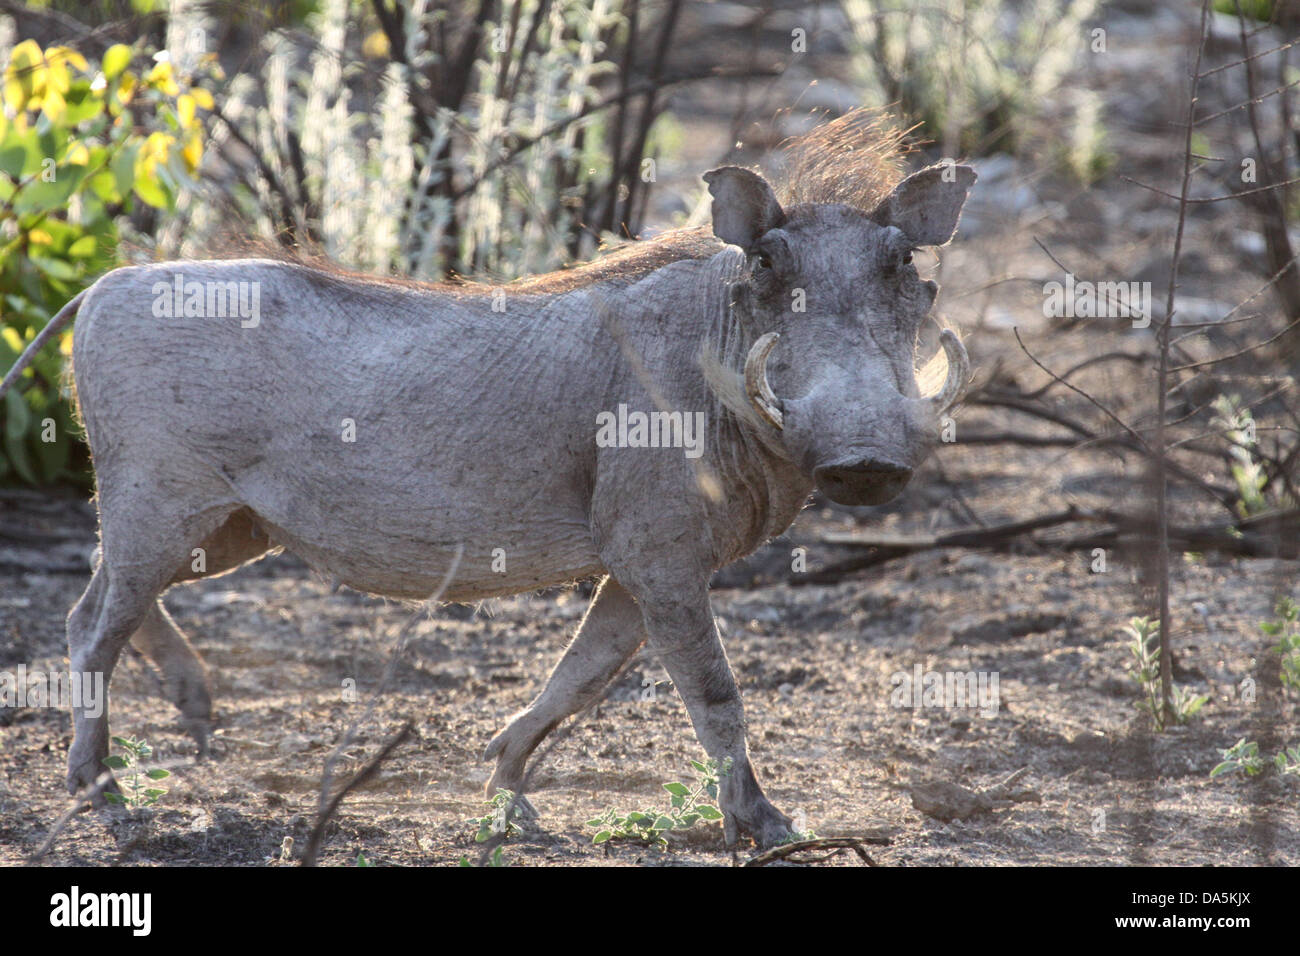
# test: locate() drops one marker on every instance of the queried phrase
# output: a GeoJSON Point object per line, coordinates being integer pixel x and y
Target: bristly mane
{"type": "Point", "coordinates": [855, 160]}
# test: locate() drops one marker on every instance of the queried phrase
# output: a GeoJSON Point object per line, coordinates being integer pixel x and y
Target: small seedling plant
{"type": "Point", "coordinates": [136, 792]}
{"type": "Point", "coordinates": [1285, 626]}
{"type": "Point", "coordinates": [688, 805]}
{"type": "Point", "coordinates": [1145, 648]}
{"type": "Point", "coordinates": [494, 823]}
{"type": "Point", "coordinates": [1244, 755]}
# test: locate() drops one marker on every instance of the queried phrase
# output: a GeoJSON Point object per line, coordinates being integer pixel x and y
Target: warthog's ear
{"type": "Point", "coordinates": [744, 206]}
{"type": "Point", "coordinates": [927, 204]}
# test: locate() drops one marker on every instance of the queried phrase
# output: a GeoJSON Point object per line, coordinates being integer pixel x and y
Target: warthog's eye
{"type": "Point", "coordinates": [764, 261]}
{"type": "Point", "coordinates": [897, 261]}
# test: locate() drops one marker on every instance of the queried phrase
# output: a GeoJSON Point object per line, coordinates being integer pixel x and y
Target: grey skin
{"type": "Point", "coordinates": [475, 429]}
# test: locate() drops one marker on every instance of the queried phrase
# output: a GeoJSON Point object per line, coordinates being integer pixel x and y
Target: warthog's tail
{"type": "Point", "coordinates": [52, 328]}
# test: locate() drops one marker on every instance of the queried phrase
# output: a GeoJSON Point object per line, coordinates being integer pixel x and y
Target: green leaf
{"type": "Point", "coordinates": [154, 189]}
{"type": "Point", "coordinates": [104, 185]}
{"type": "Point", "coordinates": [56, 268]}
{"type": "Point", "coordinates": [17, 416]}
{"type": "Point", "coordinates": [663, 823]}
{"type": "Point", "coordinates": [84, 247]}
{"type": "Point", "coordinates": [678, 789]}
{"type": "Point", "coordinates": [709, 813]}
{"type": "Point", "coordinates": [602, 836]}
{"type": "Point", "coordinates": [52, 457]}
{"type": "Point", "coordinates": [115, 798]}
{"type": "Point", "coordinates": [123, 168]}
{"type": "Point", "coordinates": [158, 773]}
{"type": "Point", "coordinates": [15, 447]}
{"type": "Point", "coordinates": [40, 196]}
{"type": "Point", "coordinates": [82, 104]}
{"type": "Point", "coordinates": [12, 159]}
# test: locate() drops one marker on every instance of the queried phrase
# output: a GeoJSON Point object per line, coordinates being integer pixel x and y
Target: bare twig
{"type": "Point", "coordinates": [328, 804]}
{"type": "Point", "coordinates": [1078, 391]}
{"type": "Point", "coordinates": [312, 849]}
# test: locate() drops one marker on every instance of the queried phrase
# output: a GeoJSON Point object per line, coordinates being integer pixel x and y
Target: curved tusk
{"type": "Point", "coordinates": [954, 385]}
{"type": "Point", "coordinates": [756, 386]}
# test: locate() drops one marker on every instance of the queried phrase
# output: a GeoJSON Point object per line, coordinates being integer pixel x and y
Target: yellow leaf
{"type": "Point", "coordinates": [15, 95]}
{"type": "Point", "coordinates": [78, 154]}
{"type": "Point", "coordinates": [25, 69]}
{"type": "Point", "coordinates": [375, 46]}
{"type": "Point", "coordinates": [39, 237]}
{"type": "Point", "coordinates": [156, 146]}
{"type": "Point", "coordinates": [185, 110]}
{"type": "Point", "coordinates": [54, 105]}
{"type": "Point", "coordinates": [152, 152]}
{"type": "Point", "coordinates": [116, 59]}
{"type": "Point", "coordinates": [24, 55]}
{"type": "Point", "coordinates": [69, 56]}
{"type": "Point", "coordinates": [12, 339]}
{"type": "Point", "coordinates": [65, 343]}
{"type": "Point", "coordinates": [202, 97]}
{"type": "Point", "coordinates": [125, 90]}
{"type": "Point", "coordinates": [193, 151]}
{"type": "Point", "coordinates": [160, 77]}
{"type": "Point", "coordinates": [57, 79]}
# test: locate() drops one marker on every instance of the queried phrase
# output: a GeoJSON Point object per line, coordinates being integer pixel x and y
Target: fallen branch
{"type": "Point", "coordinates": [949, 801]}
{"type": "Point", "coordinates": [1256, 536]}
{"type": "Point", "coordinates": [836, 846]}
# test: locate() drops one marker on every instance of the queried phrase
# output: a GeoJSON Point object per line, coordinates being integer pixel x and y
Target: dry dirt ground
{"type": "Point", "coordinates": [814, 661]}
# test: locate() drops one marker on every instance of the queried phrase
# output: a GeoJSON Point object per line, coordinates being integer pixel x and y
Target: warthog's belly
{"type": "Point", "coordinates": [416, 563]}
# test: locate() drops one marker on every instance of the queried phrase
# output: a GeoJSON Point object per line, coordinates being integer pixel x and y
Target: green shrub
{"type": "Point", "coordinates": [81, 144]}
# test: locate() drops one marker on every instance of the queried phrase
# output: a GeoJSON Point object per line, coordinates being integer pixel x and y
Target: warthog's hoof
{"type": "Point", "coordinates": [767, 825]}
{"type": "Point", "coordinates": [525, 812]}
{"type": "Point", "coordinates": [89, 784]}
{"type": "Point", "coordinates": [509, 771]}
{"type": "Point", "coordinates": [200, 730]}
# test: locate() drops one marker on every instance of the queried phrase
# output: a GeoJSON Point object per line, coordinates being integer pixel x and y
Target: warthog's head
{"type": "Point", "coordinates": [833, 305]}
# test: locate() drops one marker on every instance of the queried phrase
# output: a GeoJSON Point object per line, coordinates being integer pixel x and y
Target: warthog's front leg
{"type": "Point", "coordinates": [608, 636]}
{"type": "Point", "coordinates": [683, 633]}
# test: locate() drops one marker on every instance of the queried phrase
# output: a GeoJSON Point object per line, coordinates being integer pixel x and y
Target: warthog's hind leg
{"type": "Point", "coordinates": [142, 546]}
{"type": "Point", "coordinates": [609, 635]}
{"type": "Point", "coordinates": [184, 678]}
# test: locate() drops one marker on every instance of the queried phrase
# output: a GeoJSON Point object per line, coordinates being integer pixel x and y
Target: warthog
{"type": "Point", "coordinates": [377, 428]}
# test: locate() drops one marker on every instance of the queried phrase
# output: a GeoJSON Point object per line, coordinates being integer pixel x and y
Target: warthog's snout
{"type": "Point", "coordinates": [868, 482]}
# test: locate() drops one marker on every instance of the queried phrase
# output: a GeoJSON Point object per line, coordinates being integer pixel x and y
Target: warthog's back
{"type": "Point", "coordinates": [370, 427]}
